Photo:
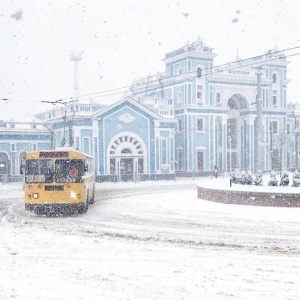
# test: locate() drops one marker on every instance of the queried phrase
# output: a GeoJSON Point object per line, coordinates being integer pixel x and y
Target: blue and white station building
{"type": "Point", "coordinates": [191, 118]}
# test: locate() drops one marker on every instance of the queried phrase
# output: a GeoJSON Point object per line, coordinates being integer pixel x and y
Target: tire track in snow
{"type": "Point", "coordinates": [190, 232]}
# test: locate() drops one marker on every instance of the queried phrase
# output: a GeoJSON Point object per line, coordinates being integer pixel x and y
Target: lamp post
{"type": "Point", "coordinates": [229, 140]}
{"type": "Point", "coordinates": [296, 136]}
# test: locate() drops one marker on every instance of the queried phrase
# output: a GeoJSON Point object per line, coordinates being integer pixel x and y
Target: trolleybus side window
{"type": "Point", "coordinates": [39, 170]}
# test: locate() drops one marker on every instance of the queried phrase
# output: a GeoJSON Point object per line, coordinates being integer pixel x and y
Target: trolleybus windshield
{"type": "Point", "coordinates": [69, 170]}
{"type": "Point", "coordinates": [39, 170]}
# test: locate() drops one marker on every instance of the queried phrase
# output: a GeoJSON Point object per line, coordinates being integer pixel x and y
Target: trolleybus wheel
{"type": "Point", "coordinates": [86, 206]}
{"type": "Point", "coordinates": [93, 196]}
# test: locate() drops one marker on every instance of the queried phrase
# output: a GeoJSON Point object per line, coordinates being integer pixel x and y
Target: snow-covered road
{"type": "Point", "coordinates": [149, 241]}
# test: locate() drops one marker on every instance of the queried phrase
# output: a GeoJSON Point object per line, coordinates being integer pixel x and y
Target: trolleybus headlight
{"type": "Point", "coordinates": [73, 195]}
{"type": "Point", "coordinates": [35, 195]}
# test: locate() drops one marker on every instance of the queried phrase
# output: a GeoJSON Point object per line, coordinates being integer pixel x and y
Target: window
{"type": "Point", "coordinates": [140, 165]}
{"type": "Point", "coordinates": [199, 95]}
{"type": "Point", "coordinates": [84, 108]}
{"type": "Point", "coordinates": [112, 166]}
{"type": "Point", "coordinates": [274, 100]}
{"type": "Point", "coordinates": [125, 150]}
{"type": "Point", "coordinates": [86, 145]}
{"type": "Point", "coordinates": [274, 127]}
{"type": "Point", "coordinates": [288, 128]}
{"type": "Point", "coordinates": [179, 160]}
{"type": "Point", "coordinates": [199, 98]}
{"type": "Point", "coordinates": [199, 124]}
{"type": "Point", "coordinates": [178, 96]}
{"type": "Point", "coordinates": [274, 78]}
{"type": "Point", "coordinates": [38, 170]}
{"type": "Point", "coordinates": [179, 125]}
{"type": "Point", "coordinates": [179, 71]}
{"type": "Point", "coordinates": [69, 170]}
{"type": "Point", "coordinates": [200, 160]}
{"type": "Point", "coordinates": [199, 72]}
{"type": "Point", "coordinates": [164, 153]}
{"type": "Point", "coordinates": [218, 97]}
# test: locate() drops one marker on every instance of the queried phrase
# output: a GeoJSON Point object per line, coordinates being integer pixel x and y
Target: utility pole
{"type": "Point", "coordinates": [63, 141]}
{"type": "Point", "coordinates": [260, 138]}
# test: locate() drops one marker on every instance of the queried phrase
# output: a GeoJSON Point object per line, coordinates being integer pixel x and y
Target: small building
{"type": "Point", "coordinates": [17, 137]}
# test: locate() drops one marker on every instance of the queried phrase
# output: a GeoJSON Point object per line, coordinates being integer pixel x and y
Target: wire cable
{"type": "Point", "coordinates": [68, 100]}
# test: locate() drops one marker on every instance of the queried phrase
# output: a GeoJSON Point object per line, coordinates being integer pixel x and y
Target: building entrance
{"type": "Point", "coordinates": [126, 169]}
{"type": "Point", "coordinates": [127, 157]}
{"type": "Point", "coordinates": [237, 145]}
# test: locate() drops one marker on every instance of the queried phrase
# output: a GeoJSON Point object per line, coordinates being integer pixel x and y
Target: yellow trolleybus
{"type": "Point", "coordinates": [61, 180]}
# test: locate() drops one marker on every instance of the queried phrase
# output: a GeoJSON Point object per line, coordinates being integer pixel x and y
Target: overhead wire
{"type": "Point", "coordinates": [193, 72]}
{"type": "Point", "coordinates": [68, 100]}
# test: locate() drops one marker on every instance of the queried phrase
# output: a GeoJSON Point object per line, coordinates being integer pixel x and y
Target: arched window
{"type": "Point", "coordinates": [126, 150]}
{"type": "Point", "coordinates": [199, 72]}
{"type": "Point", "coordinates": [274, 78]}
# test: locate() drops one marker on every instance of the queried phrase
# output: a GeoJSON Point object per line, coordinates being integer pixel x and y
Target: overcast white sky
{"type": "Point", "coordinates": [126, 40]}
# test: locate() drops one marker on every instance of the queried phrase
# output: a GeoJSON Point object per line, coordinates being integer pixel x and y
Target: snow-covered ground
{"type": "Point", "coordinates": [151, 240]}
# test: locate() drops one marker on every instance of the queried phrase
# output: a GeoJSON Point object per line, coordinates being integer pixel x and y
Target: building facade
{"type": "Point", "coordinates": [127, 139]}
{"type": "Point", "coordinates": [217, 109]}
{"type": "Point", "coordinates": [18, 137]}
{"type": "Point", "coordinates": [190, 118]}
